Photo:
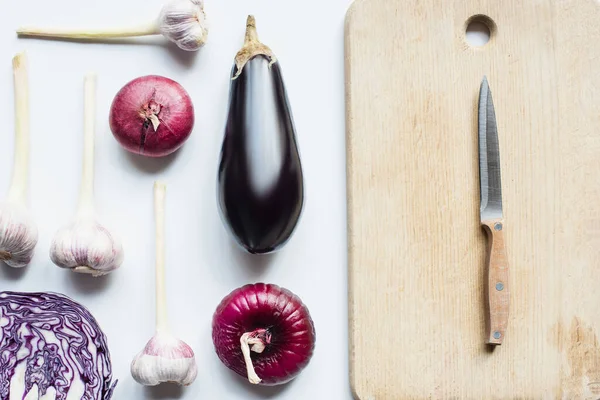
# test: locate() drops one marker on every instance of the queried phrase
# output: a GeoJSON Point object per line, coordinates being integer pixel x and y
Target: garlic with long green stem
{"type": "Point", "coordinates": [164, 358]}
{"type": "Point", "coordinates": [183, 22]}
{"type": "Point", "coordinates": [84, 245]}
{"type": "Point", "coordinates": [18, 230]}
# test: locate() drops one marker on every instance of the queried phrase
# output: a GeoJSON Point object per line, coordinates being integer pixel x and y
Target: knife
{"type": "Point", "coordinates": [497, 288]}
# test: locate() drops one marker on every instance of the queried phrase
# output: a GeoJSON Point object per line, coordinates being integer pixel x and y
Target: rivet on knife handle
{"type": "Point", "coordinates": [498, 289]}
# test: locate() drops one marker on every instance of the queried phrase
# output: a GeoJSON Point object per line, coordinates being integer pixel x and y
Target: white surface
{"type": "Point", "coordinates": [478, 34]}
{"type": "Point", "coordinates": [202, 263]}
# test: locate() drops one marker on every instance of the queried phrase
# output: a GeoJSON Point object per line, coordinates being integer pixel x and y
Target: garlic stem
{"type": "Point", "coordinates": [86, 190]}
{"type": "Point", "coordinates": [151, 28]}
{"type": "Point", "coordinates": [161, 297]}
{"type": "Point", "coordinates": [4, 255]}
{"type": "Point", "coordinates": [18, 186]}
{"type": "Point", "coordinates": [257, 345]}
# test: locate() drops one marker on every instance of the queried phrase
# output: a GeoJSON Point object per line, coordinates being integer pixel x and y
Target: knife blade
{"type": "Point", "coordinates": [492, 219]}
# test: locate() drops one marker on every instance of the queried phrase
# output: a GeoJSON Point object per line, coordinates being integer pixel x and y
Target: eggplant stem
{"type": "Point", "coordinates": [161, 296]}
{"type": "Point", "coordinates": [18, 186]}
{"type": "Point", "coordinates": [85, 208]}
{"type": "Point", "coordinates": [251, 33]}
{"type": "Point", "coordinates": [5, 255]}
{"type": "Point", "coordinates": [250, 343]}
{"type": "Point", "coordinates": [252, 48]}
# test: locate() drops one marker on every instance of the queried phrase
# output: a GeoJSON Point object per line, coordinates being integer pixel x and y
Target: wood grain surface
{"type": "Point", "coordinates": [497, 287]}
{"type": "Point", "coordinates": [417, 251]}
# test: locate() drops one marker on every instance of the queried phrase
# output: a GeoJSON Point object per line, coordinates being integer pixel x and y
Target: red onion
{"type": "Point", "coordinates": [263, 332]}
{"type": "Point", "coordinates": [152, 116]}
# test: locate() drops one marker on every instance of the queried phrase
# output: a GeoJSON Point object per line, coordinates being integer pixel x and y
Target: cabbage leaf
{"type": "Point", "coordinates": [51, 348]}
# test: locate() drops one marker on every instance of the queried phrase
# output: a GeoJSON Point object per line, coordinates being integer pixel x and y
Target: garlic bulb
{"type": "Point", "coordinates": [18, 231]}
{"type": "Point", "coordinates": [84, 245]}
{"type": "Point", "coordinates": [18, 235]}
{"type": "Point", "coordinates": [183, 22]}
{"type": "Point", "coordinates": [164, 358]}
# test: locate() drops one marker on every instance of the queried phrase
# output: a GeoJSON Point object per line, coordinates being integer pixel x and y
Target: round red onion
{"type": "Point", "coordinates": [264, 333]}
{"type": "Point", "coordinates": [152, 116]}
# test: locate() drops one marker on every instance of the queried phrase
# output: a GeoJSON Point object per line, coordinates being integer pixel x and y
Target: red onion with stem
{"type": "Point", "coordinates": [264, 333]}
{"type": "Point", "coordinates": [152, 116]}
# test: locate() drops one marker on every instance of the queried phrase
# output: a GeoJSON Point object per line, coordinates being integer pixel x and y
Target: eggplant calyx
{"type": "Point", "coordinates": [252, 48]}
{"type": "Point", "coordinates": [5, 255]}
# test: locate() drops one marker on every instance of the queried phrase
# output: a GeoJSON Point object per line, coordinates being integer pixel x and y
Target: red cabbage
{"type": "Point", "coordinates": [49, 343]}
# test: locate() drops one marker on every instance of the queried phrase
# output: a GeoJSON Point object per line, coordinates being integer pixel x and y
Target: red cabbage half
{"type": "Point", "coordinates": [53, 346]}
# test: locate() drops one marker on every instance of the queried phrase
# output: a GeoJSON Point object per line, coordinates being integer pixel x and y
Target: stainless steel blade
{"type": "Point", "coordinates": [489, 157]}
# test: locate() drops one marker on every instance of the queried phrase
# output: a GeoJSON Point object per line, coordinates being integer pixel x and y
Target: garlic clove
{"type": "Point", "coordinates": [18, 235]}
{"type": "Point", "coordinates": [184, 23]}
{"type": "Point", "coordinates": [165, 359]}
{"type": "Point", "coordinates": [86, 247]}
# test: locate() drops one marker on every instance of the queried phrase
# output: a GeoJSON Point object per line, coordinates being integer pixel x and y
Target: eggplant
{"type": "Point", "coordinates": [260, 178]}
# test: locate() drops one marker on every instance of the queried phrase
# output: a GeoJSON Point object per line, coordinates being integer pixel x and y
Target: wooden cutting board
{"type": "Point", "coordinates": [416, 249]}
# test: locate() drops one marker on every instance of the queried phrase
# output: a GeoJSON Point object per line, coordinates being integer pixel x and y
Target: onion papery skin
{"type": "Point", "coordinates": [279, 311]}
{"type": "Point", "coordinates": [56, 344]}
{"type": "Point", "coordinates": [146, 95]}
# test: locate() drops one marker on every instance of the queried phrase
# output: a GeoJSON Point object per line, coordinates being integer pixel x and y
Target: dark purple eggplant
{"type": "Point", "coordinates": [260, 179]}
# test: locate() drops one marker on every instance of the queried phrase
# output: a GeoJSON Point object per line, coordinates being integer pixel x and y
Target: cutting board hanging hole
{"type": "Point", "coordinates": [479, 30]}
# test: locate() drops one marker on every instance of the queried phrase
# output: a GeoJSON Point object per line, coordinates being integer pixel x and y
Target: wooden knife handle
{"type": "Point", "coordinates": [497, 290]}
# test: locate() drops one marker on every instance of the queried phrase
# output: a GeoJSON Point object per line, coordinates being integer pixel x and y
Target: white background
{"type": "Point", "coordinates": [203, 265]}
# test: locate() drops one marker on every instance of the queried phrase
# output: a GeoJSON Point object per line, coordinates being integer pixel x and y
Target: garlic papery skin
{"type": "Point", "coordinates": [184, 23]}
{"type": "Point", "coordinates": [84, 245]}
{"type": "Point", "coordinates": [18, 235]}
{"type": "Point", "coordinates": [165, 359]}
{"type": "Point", "coordinates": [18, 230]}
